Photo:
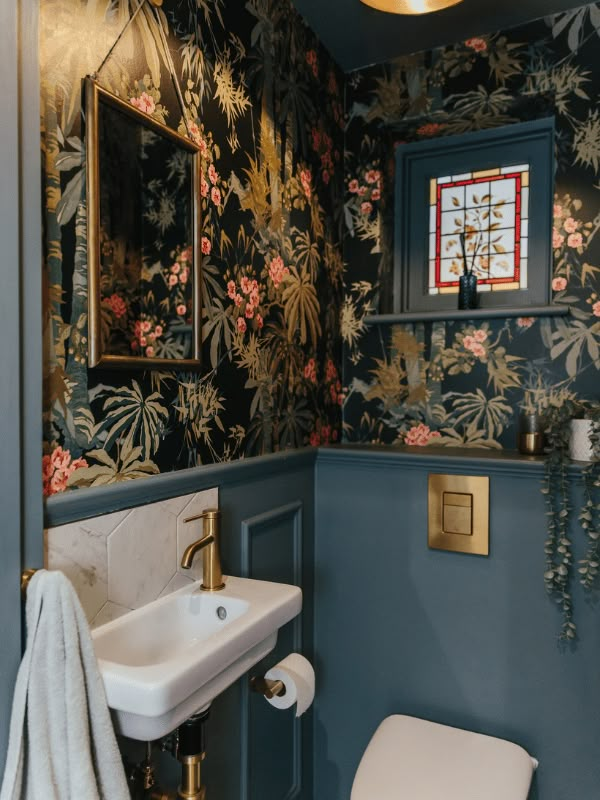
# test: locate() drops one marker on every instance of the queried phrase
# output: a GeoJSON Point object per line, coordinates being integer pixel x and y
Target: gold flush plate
{"type": "Point", "coordinates": [459, 513]}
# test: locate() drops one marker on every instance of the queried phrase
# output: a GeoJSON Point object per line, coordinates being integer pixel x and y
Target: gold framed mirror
{"type": "Point", "coordinates": [144, 238]}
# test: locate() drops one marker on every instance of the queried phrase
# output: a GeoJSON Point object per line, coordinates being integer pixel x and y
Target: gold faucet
{"type": "Point", "coordinates": [212, 575]}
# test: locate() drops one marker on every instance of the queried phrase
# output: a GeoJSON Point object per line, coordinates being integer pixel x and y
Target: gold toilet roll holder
{"type": "Point", "coordinates": [266, 687]}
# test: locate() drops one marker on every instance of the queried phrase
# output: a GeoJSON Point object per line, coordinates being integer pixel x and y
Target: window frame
{"type": "Point", "coordinates": [418, 162]}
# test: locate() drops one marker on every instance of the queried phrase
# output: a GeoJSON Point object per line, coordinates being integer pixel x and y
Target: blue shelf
{"type": "Point", "coordinates": [476, 313]}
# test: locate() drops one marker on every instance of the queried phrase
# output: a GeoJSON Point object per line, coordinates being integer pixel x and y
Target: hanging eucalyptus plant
{"type": "Point", "coordinates": [556, 488]}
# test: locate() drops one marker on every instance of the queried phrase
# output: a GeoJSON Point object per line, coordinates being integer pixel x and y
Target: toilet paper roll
{"type": "Point", "coordinates": [298, 677]}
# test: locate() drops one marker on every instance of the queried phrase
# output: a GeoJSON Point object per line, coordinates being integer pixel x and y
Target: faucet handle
{"type": "Point", "coordinates": [209, 513]}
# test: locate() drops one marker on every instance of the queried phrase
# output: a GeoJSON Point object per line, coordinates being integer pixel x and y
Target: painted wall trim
{"type": "Point", "coordinates": [249, 528]}
{"type": "Point", "coordinates": [84, 503]}
{"type": "Point", "coordinates": [448, 460]}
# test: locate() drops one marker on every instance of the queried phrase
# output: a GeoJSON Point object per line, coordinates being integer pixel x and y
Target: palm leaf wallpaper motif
{"type": "Point", "coordinates": [452, 383]}
{"type": "Point", "coordinates": [262, 102]}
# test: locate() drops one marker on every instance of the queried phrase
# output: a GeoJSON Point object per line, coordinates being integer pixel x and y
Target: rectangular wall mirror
{"type": "Point", "coordinates": [144, 259]}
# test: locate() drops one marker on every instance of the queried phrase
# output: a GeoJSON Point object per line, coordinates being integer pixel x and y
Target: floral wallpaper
{"type": "Point", "coordinates": [263, 102]}
{"type": "Point", "coordinates": [457, 383]}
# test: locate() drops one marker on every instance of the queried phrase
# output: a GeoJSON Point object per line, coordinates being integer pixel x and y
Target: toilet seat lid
{"type": "Point", "coordinates": [413, 758]}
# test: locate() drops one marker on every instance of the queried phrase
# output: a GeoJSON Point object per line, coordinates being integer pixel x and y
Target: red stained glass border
{"type": "Point", "coordinates": [516, 276]}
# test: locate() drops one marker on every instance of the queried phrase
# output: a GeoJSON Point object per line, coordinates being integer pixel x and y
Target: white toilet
{"type": "Point", "coordinates": [412, 759]}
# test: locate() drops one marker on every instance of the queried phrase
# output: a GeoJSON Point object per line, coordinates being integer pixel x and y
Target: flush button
{"type": "Point", "coordinates": [457, 513]}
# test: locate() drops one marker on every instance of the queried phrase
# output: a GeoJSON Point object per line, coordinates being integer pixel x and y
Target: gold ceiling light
{"type": "Point", "coordinates": [410, 6]}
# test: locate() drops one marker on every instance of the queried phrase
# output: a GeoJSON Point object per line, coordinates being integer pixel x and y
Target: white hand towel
{"type": "Point", "coordinates": [62, 744]}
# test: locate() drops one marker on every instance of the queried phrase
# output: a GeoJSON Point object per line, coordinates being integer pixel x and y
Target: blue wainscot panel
{"type": "Point", "coordinates": [463, 640]}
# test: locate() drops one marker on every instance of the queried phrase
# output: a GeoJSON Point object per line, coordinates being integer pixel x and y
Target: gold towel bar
{"type": "Point", "coordinates": [26, 576]}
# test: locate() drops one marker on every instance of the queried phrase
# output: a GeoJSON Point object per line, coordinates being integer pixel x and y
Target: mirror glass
{"type": "Point", "coordinates": [143, 236]}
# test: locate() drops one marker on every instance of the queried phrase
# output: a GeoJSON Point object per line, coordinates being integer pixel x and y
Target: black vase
{"type": "Point", "coordinates": [467, 291]}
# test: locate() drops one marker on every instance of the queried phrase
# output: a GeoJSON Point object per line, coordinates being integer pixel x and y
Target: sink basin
{"type": "Point", "coordinates": [169, 659]}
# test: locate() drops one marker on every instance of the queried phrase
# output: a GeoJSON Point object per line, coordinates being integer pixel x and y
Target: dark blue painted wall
{"type": "Point", "coordinates": [462, 640]}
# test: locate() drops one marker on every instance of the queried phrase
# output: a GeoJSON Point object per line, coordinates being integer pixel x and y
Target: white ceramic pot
{"type": "Point", "coordinates": [580, 446]}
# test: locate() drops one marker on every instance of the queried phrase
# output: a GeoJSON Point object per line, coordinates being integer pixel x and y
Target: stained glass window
{"type": "Point", "coordinates": [487, 213]}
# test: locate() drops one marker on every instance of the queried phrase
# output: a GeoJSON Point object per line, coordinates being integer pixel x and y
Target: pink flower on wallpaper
{"type": "Point", "coordinates": [420, 435]}
{"type": "Point", "coordinates": [326, 177]}
{"type": "Point", "coordinates": [315, 439]}
{"type": "Point", "coordinates": [557, 239]}
{"type": "Point", "coordinates": [525, 322]}
{"type": "Point", "coordinates": [184, 275]}
{"type": "Point", "coordinates": [259, 321]}
{"type": "Point", "coordinates": [204, 187]}
{"type": "Point", "coordinates": [480, 335]}
{"type": "Point", "coordinates": [310, 370]}
{"type": "Point", "coordinates": [353, 186]}
{"type": "Point", "coordinates": [366, 207]}
{"type": "Point", "coordinates": [116, 304]}
{"type": "Point", "coordinates": [158, 331]}
{"type": "Point", "coordinates": [173, 280]}
{"type": "Point", "coordinates": [215, 196]}
{"type": "Point", "coordinates": [249, 312]}
{"type": "Point", "coordinates": [238, 300]}
{"type": "Point", "coordinates": [570, 225]}
{"type": "Point", "coordinates": [474, 346]}
{"type": "Point", "coordinates": [56, 470]}
{"type": "Point", "coordinates": [231, 289]}
{"type": "Point", "coordinates": [430, 128]}
{"type": "Point", "coordinates": [194, 132]}
{"type": "Point", "coordinates": [575, 240]}
{"type": "Point", "coordinates": [181, 309]}
{"type": "Point", "coordinates": [559, 284]}
{"type": "Point", "coordinates": [477, 44]}
{"type": "Point", "coordinates": [375, 194]}
{"type": "Point", "coordinates": [373, 176]}
{"type": "Point", "coordinates": [246, 285]}
{"type": "Point", "coordinates": [241, 325]}
{"type": "Point", "coordinates": [176, 268]}
{"type": "Point", "coordinates": [150, 351]}
{"type": "Point", "coordinates": [206, 246]}
{"type": "Point", "coordinates": [144, 103]}
{"type": "Point", "coordinates": [306, 181]}
{"type": "Point", "coordinates": [277, 270]}
{"type": "Point", "coordinates": [213, 175]}
{"type": "Point", "coordinates": [596, 309]}
{"type": "Point", "coordinates": [331, 372]}
{"type": "Point", "coordinates": [557, 211]}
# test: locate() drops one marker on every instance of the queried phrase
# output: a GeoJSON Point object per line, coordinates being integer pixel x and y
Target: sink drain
{"type": "Point", "coordinates": [222, 612]}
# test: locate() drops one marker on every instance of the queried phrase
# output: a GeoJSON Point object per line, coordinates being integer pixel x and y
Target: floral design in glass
{"type": "Point", "coordinates": [491, 208]}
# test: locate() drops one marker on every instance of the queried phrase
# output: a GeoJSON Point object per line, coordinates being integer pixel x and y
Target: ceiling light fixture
{"type": "Point", "coordinates": [410, 6]}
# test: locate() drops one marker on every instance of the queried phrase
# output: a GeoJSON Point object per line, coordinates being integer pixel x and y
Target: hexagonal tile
{"type": "Point", "coordinates": [188, 532]}
{"type": "Point", "coordinates": [107, 613]}
{"type": "Point", "coordinates": [178, 581]}
{"type": "Point", "coordinates": [142, 553]}
{"type": "Point", "coordinates": [81, 554]}
{"type": "Point", "coordinates": [106, 523]}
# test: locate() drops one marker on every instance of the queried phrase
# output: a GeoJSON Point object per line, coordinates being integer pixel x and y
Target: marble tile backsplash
{"type": "Point", "coordinates": [121, 561]}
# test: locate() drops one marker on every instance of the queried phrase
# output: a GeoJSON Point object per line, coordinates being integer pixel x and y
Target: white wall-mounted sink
{"type": "Point", "coordinates": [169, 659]}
